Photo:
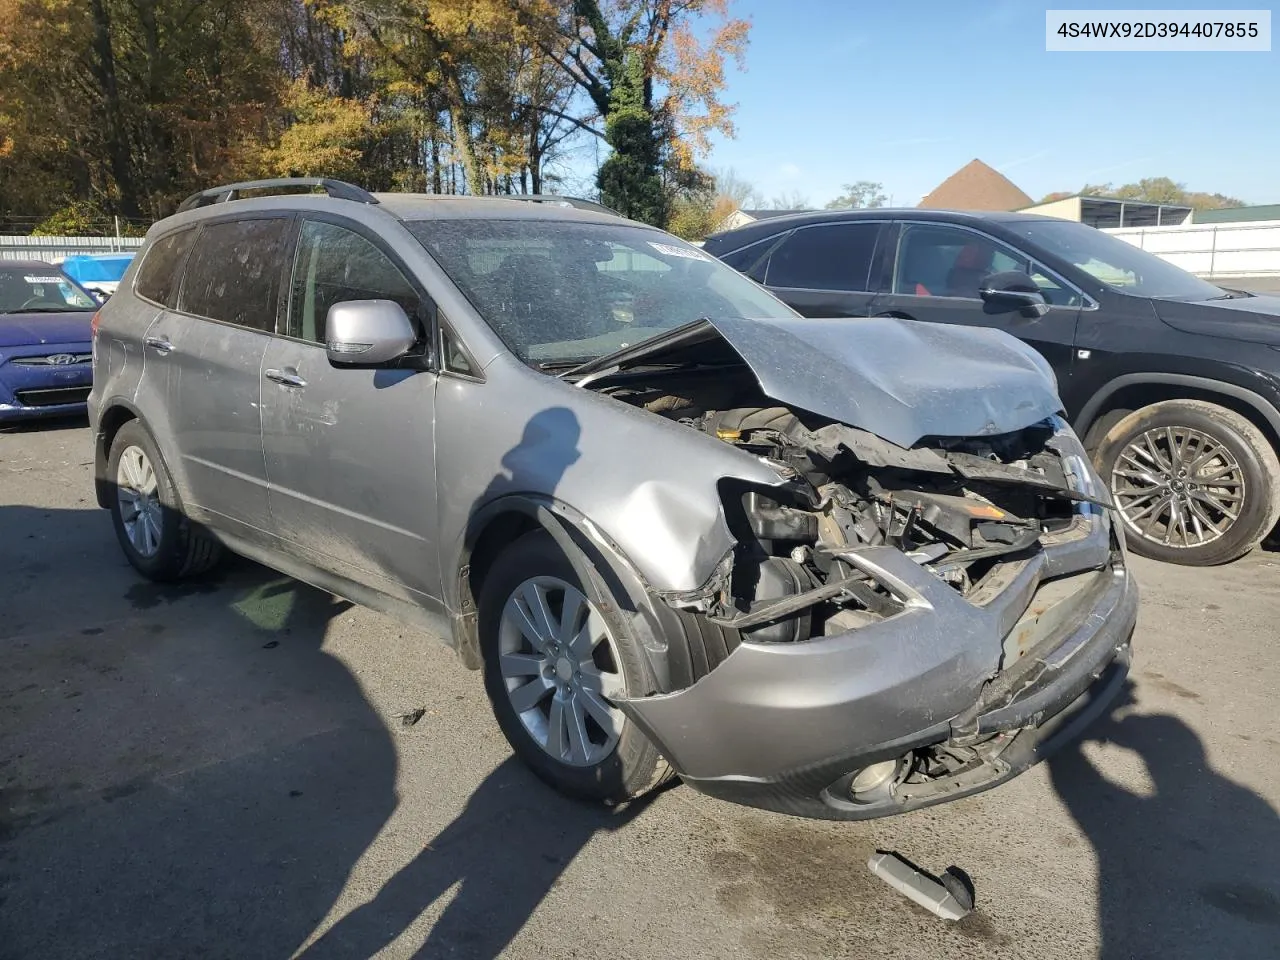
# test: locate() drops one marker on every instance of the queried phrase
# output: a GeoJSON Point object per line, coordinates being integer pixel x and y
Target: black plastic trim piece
{"type": "Point", "coordinates": [1089, 412]}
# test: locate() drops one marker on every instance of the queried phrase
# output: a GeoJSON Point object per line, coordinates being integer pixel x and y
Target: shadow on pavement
{"type": "Point", "coordinates": [45, 424]}
{"type": "Point", "coordinates": [504, 852]}
{"type": "Point", "coordinates": [1187, 871]}
{"type": "Point", "coordinates": [183, 770]}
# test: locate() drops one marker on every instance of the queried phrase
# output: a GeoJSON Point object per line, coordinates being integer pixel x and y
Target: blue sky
{"type": "Point", "coordinates": [907, 93]}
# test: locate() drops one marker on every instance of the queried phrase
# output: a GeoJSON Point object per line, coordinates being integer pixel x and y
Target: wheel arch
{"type": "Point", "coordinates": [608, 576]}
{"type": "Point", "coordinates": [115, 414]}
{"type": "Point", "coordinates": [1136, 390]}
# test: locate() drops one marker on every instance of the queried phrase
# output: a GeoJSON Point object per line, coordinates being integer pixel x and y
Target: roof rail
{"type": "Point", "coordinates": [562, 201]}
{"type": "Point", "coordinates": [337, 189]}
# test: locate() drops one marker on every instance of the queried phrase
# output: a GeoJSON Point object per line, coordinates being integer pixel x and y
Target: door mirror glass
{"type": "Point", "coordinates": [364, 332]}
{"type": "Point", "coordinates": [1013, 290]}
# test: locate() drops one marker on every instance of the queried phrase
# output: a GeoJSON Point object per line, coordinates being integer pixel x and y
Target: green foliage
{"type": "Point", "coordinates": [80, 218]}
{"type": "Point", "coordinates": [630, 180]}
{"type": "Point", "coordinates": [1152, 190]}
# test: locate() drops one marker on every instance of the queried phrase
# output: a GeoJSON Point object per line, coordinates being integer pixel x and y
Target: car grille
{"type": "Point", "coordinates": [53, 396]}
{"type": "Point", "coordinates": [54, 360]}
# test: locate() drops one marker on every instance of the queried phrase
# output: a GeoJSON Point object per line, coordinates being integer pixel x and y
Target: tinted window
{"type": "Point", "coordinates": [557, 290]}
{"type": "Point", "coordinates": [752, 260]}
{"type": "Point", "coordinates": [162, 267]}
{"type": "Point", "coordinates": [234, 272]}
{"type": "Point", "coordinates": [454, 358]}
{"type": "Point", "coordinates": [941, 261]}
{"type": "Point", "coordinates": [1120, 265]}
{"type": "Point", "coordinates": [334, 264]}
{"type": "Point", "coordinates": [1053, 289]}
{"type": "Point", "coordinates": [832, 257]}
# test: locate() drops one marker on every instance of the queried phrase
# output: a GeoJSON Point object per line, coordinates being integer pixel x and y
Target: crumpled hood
{"type": "Point", "coordinates": [899, 379]}
{"type": "Point", "coordinates": [1251, 319]}
{"type": "Point", "coordinates": [22, 329]}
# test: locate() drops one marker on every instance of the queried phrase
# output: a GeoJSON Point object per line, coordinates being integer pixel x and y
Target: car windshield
{"type": "Point", "coordinates": [561, 292]}
{"type": "Point", "coordinates": [40, 289]}
{"type": "Point", "coordinates": [1118, 264]}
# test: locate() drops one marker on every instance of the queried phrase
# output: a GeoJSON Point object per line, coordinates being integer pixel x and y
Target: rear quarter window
{"type": "Point", "coordinates": [234, 272]}
{"type": "Point", "coordinates": [161, 269]}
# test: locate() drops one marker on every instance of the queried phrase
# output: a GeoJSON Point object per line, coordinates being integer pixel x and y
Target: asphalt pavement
{"type": "Point", "coordinates": [246, 767]}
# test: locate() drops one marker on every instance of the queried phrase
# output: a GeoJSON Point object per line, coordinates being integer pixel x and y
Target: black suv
{"type": "Point", "coordinates": [1173, 383]}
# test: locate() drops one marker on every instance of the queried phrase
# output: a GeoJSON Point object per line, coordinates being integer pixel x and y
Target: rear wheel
{"type": "Point", "coordinates": [157, 539]}
{"type": "Point", "coordinates": [553, 665]}
{"type": "Point", "coordinates": [1195, 483]}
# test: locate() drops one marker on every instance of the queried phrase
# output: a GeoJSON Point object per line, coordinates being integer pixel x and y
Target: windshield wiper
{"type": "Point", "coordinates": [567, 364]}
{"type": "Point", "coordinates": [50, 310]}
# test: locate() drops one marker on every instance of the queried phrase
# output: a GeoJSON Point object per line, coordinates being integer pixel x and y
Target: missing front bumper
{"type": "Point", "coordinates": [787, 726]}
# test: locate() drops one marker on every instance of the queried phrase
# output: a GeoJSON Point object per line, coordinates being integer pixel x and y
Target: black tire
{"type": "Point", "coordinates": [634, 767]}
{"type": "Point", "coordinates": [183, 549]}
{"type": "Point", "coordinates": [1258, 467]}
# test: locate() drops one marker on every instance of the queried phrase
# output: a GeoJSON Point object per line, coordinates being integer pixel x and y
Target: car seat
{"type": "Point", "coordinates": [972, 263]}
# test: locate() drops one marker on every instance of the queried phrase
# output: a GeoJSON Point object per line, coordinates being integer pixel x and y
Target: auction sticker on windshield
{"type": "Point", "coordinates": [670, 250]}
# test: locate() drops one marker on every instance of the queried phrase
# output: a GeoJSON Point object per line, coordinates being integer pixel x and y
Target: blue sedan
{"type": "Point", "coordinates": [46, 349]}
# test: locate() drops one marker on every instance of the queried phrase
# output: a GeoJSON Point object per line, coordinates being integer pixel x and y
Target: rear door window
{"type": "Point", "coordinates": [234, 272]}
{"type": "Point", "coordinates": [833, 256]}
{"type": "Point", "coordinates": [161, 272]}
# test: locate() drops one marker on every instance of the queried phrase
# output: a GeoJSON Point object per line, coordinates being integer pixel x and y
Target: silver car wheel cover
{"type": "Point", "coordinates": [137, 492]}
{"type": "Point", "coordinates": [1178, 487]}
{"type": "Point", "coordinates": [560, 668]}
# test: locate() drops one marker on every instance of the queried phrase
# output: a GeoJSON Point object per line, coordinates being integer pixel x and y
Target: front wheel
{"type": "Point", "coordinates": [1195, 483]}
{"type": "Point", "coordinates": [553, 665]}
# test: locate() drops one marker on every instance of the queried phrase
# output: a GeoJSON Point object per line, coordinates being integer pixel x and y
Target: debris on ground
{"type": "Point", "coordinates": [412, 717]}
{"type": "Point", "coordinates": [949, 896]}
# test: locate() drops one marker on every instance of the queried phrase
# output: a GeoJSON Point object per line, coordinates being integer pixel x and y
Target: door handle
{"type": "Point", "coordinates": [160, 345]}
{"type": "Point", "coordinates": [285, 378]}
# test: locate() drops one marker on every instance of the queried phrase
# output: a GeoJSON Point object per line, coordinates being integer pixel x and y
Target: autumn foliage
{"type": "Point", "coordinates": [123, 107]}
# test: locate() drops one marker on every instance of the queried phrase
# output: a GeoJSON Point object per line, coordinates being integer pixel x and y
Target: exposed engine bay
{"type": "Point", "coordinates": [956, 507]}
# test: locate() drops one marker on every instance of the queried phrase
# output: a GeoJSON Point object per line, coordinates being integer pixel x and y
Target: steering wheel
{"type": "Point", "coordinates": [34, 301]}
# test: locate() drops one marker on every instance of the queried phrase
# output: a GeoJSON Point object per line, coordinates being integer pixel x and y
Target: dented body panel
{"type": "Point", "coordinates": [649, 485]}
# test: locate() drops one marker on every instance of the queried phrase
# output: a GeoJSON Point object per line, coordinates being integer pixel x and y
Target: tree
{"type": "Point", "coordinates": [863, 193]}
{"type": "Point", "coordinates": [326, 136]}
{"type": "Point", "coordinates": [128, 104]}
{"type": "Point", "coordinates": [654, 87]}
{"type": "Point", "coordinates": [1152, 190]}
{"type": "Point", "coordinates": [795, 200]}
{"type": "Point", "coordinates": [696, 211]}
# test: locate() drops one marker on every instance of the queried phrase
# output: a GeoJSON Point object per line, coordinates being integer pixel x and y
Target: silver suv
{"type": "Point", "coordinates": [838, 568]}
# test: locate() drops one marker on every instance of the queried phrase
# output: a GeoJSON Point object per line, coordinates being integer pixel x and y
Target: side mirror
{"type": "Point", "coordinates": [364, 332]}
{"type": "Point", "coordinates": [1013, 290]}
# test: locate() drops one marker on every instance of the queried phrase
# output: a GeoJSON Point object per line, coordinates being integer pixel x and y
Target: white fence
{"type": "Point", "coordinates": [51, 249]}
{"type": "Point", "coordinates": [1213, 250]}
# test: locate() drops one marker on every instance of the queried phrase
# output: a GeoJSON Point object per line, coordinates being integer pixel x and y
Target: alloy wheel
{"type": "Point", "coordinates": [1178, 487]}
{"type": "Point", "coordinates": [137, 491]}
{"type": "Point", "coordinates": [560, 667]}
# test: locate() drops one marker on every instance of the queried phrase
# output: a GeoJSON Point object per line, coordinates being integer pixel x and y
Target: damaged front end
{"type": "Point", "coordinates": [903, 625]}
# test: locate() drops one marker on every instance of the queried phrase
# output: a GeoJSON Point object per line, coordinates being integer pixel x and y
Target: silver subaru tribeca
{"type": "Point", "coordinates": [837, 568]}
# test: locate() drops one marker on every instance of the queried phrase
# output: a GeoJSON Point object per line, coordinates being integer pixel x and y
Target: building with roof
{"type": "Point", "coordinates": [740, 218]}
{"type": "Point", "coordinates": [1105, 212]}
{"type": "Point", "coordinates": [976, 186]}
{"type": "Point", "coordinates": [1266, 211]}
